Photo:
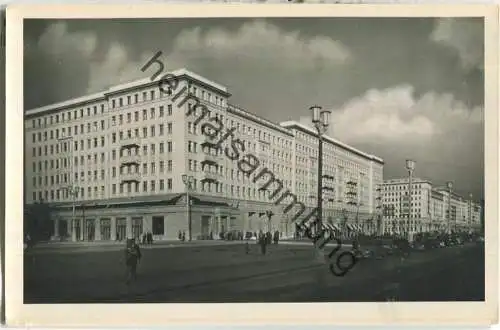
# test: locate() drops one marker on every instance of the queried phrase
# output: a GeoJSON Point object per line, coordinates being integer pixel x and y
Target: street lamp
{"type": "Point", "coordinates": [449, 185]}
{"type": "Point", "coordinates": [321, 120]}
{"type": "Point", "coordinates": [410, 166]}
{"type": "Point", "coordinates": [188, 181]}
{"type": "Point", "coordinates": [470, 212]}
{"type": "Point", "coordinates": [71, 189]}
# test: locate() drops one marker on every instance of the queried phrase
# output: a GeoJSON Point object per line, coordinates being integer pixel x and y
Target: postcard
{"type": "Point", "coordinates": [274, 164]}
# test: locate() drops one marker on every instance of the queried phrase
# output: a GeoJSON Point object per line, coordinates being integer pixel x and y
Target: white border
{"type": "Point", "coordinates": [18, 314]}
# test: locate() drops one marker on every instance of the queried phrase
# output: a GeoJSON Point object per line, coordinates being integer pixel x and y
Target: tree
{"type": "Point", "coordinates": [37, 221]}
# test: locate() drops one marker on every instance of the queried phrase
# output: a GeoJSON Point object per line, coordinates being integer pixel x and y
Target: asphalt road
{"type": "Point", "coordinates": [224, 273]}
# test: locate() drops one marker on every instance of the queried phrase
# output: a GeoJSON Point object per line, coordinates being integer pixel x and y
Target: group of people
{"type": "Point", "coordinates": [265, 239]}
{"type": "Point", "coordinates": [181, 236]}
{"type": "Point", "coordinates": [147, 238]}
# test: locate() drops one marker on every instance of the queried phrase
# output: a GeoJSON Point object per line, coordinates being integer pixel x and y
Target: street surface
{"type": "Point", "coordinates": [222, 272]}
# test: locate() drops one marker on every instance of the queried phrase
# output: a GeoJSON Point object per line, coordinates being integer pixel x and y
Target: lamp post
{"type": "Point", "coordinates": [321, 120]}
{"type": "Point", "coordinates": [449, 185]}
{"type": "Point", "coordinates": [470, 212]}
{"type": "Point", "coordinates": [71, 189]}
{"type": "Point", "coordinates": [410, 166]}
{"type": "Point", "coordinates": [188, 181]}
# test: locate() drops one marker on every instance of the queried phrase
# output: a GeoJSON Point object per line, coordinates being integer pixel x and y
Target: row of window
{"type": "Point", "coordinates": [61, 194]}
{"type": "Point", "coordinates": [67, 132]}
{"type": "Point", "coordinates": [65, 116]}
{"type": "Point", "coordinates": [147, 168]}
{"type": "Point", "coordinates": [152, 115]}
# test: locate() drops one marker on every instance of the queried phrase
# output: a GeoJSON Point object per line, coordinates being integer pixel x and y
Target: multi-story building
{"type": "Point", "coordinates": [111, 165]}
{"type": "Point", "coordinates": [429, 209]}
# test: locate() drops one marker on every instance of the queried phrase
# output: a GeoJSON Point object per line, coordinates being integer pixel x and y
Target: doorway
{"type": "Point", "coordinates": [137, 228]}
{"type": "Point", "coordinates": [121, 229]}
{"type": "Point", "coordinates": [205, 226]}
{"type": "Point", "coordinates": [89, 230]}
{"type": "Point", "coordinates": [105, 229]}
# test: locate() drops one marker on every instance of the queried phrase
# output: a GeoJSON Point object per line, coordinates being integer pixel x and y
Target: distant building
{"type": "Point", "coordinates": [124, 151]}
{"type": "Point", "coordinates": [430, 208]}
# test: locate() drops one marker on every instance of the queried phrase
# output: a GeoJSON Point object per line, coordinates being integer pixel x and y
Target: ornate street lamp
{"type": "Point", "coordinates": [410, 166]}
{"type": "Point", "coordinates": [188, 182]}
{"type": "Point", "coordinates": [321, 120]}
{"type": "Point", "coordinates": [449, 185]}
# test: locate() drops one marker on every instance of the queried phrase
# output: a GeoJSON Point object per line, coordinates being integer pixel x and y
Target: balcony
{"type": "Point", "coordinates": [130, 142]}
{"type": "Point", "coordinates": [351, 183]}
{"type": "Point", "coordinates": [351, 193]}
{"type": "Point", "coordinates": [127, 160]}
{"type": "Point", "coordinates": [211, 158]}
{"type": "Point", "coordinates": [130, 177]}
{"type": "Point", "coordinates": [210, 177]}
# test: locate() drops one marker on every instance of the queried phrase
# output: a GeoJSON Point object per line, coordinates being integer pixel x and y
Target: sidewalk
{"type": "Point", "coordinates": [98, 246]}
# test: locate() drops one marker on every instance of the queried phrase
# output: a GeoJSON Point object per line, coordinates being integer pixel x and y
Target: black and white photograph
{"type": "Point", "coordinates": [266, 159]}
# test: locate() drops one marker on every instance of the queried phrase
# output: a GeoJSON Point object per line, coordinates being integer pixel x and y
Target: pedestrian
{"type": "Point", "coordinates": [144, 238]}
{"type": "Point", "coordinates": [184, 236]}
{"type": "Point", "coordinates": [179, 235]}
{"type": "Point", "coordinates": [263, 244]}
{"type": "Point", "coordinates": [150, 238]}
{"type": "Point", "coordinates": [132, 257]}
{"type": "Point", "coordinates": [276, 237]}
{"type": "Point", "coordinates": [247, 248]}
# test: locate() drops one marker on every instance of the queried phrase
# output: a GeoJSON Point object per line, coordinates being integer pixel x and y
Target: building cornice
{"type": "Point", "coordinates": [303, 128]}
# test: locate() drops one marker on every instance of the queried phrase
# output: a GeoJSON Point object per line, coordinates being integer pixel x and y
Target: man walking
{"type": "Point", "coordinates": [132, 257]}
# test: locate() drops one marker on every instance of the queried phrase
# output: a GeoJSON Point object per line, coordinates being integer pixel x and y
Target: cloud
{"type": "Point", "coordinates": [262, 42]}
{"type": "Point", "coordinates": [396, 115]}
{"type": "Point", "coordinates": [57, 41]}
{"type": "Point", "coordinates": [464, 36]}
{"type": "Point", "coordinates": [258, 41]}
{"type": "Point", "coordinates": [443, 135]}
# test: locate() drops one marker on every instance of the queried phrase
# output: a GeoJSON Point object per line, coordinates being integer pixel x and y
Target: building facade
{"type": "Point", "coordinates": [431, 208]}
{"type": "Point", "coordinates": [111, 165]}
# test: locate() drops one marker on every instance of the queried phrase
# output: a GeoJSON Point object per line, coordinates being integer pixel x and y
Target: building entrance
{"type": "Point", "coordinates": [121, 229]}
{"type": "Point", "coordinates": [137, 228]}
{"type": "Point", "coordinates": [89, 230]}
{"type": "Point", "coordinates": [205, 226]}
{"type": "Point", "coordinates": [105, 229]}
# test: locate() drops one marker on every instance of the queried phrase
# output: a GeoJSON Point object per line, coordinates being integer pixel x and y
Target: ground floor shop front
{"type": "Point", "coordinates": [205, 218]}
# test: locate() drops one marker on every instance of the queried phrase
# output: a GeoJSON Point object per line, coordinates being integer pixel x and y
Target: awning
{"type": "Point", "coordinates": [328, 226]}
{"type": "Point", "coordinates": [350, 227]}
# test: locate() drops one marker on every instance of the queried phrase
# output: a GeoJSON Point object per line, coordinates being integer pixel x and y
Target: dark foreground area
{"type": "Point", "coordinates": [224, 273]}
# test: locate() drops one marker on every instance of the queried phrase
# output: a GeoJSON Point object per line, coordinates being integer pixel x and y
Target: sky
{"type": "Point", "coordinates": [398, 88]}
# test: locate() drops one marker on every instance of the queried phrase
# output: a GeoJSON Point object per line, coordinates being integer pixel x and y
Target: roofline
{"type": "Point", "coordinates": [116, 89]}
{"type": "Point", "coordinates": [414, 180]}
{"type": "Point", "coordinates": [234, 109]}
{"type": "Point", "coordinates": [305, 129]}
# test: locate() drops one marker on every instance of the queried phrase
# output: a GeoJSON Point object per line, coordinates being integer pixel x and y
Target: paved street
{"type": "Point", "coordinates": [224, 273]}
